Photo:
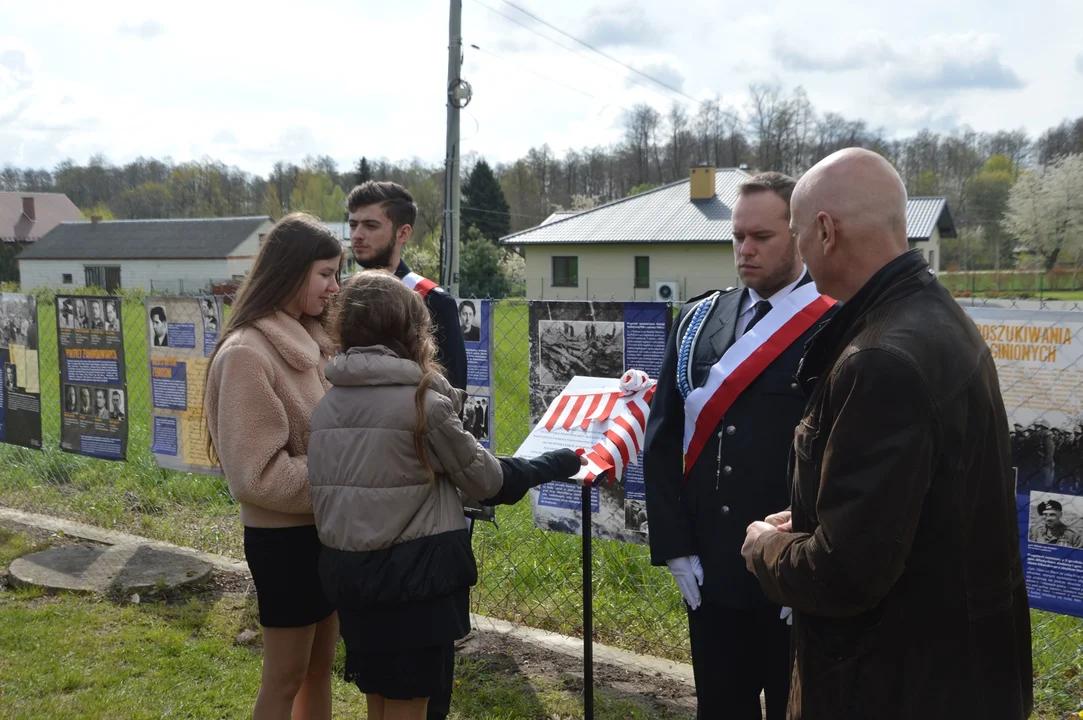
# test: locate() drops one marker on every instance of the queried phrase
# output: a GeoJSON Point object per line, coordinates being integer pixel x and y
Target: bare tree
{"type": "Point", "coordinates": [768, 115]}
{"type": "Point", "coordinates": [1064, 139]}
{"type": "Point", "coordinates": [678, 132]}
{"type": "Point", "coordinates": [1014, 144]}
{"type": "Point", "coordinates": [640, 129]}
{"type": "Point", "coordinates": [707, 132]}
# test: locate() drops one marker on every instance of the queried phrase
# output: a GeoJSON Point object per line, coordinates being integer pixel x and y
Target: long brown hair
{"type": "Point", "coordinates": [278, 273]}
{"type": "Point", "coordinates": [376, 308]}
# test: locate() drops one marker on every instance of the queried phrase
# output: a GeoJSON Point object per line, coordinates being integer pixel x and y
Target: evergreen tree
{"type": "Point", "coordinates": [484, 205]}
{"type": "Point", "coordinates": [481, 272]}
{"type": "Point", "coordinates": [363, 171]}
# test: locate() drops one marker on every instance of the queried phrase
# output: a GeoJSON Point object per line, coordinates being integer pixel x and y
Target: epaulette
{"type": "Point", "coordinates": [699, 309]}
{"type": "Point", "coordinates": [697, 298]}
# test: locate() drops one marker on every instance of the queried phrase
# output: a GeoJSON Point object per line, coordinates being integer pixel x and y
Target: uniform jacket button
{"type": "Point", "coordinates": [793, 386]}
{"type": "Point", "coordinates": [727, 470]}
{"type": "Point", "coordinates": [725, 509]}
{"type": "Point", "coordinates": [730, 430]}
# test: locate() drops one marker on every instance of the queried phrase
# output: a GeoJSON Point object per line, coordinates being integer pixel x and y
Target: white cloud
{"type": "Point", "coordinates": [145, 30]}
{"type": "Point", "coordinates": [17, 68]}
{"type": "Point", "coordinates": [941, 63]}
{"type": "Point", "coordinates": [956, 62]}
{"type": "Point", "coordinates": [623, 24]}
{"type": "Point", "coordinates": [662, 70]}
{"type": "Point", "coordinates": [865, 53]}
{"type": "Point", "coordinates": [224, 137]}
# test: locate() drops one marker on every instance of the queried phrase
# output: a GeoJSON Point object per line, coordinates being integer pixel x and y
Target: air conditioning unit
{"type": "Point", "coordinates": [667, 291]}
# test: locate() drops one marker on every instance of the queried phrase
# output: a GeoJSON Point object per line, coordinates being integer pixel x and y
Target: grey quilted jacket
{"type": "Point", "coordinates": [369, 490]}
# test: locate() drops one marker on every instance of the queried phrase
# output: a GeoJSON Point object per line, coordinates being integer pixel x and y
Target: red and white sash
{"type": "Point", "coordinates": [744, 361]}
{"type": "Point", "coordinates": [624, 411]}
{"type": "Point", "coordinates": [417, 283]}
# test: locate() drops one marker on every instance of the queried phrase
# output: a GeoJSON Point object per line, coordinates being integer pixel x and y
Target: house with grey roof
{"type": "Point", "coordinates": [182, 255]}
{"type": "Point", "coordinates": [670, 243]}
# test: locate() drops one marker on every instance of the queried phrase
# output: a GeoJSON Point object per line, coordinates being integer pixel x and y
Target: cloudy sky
{"type": "Point", "coordinates": [250, 84]}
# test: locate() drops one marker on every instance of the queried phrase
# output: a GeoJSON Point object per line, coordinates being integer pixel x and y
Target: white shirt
{"type": "Point", "coordinates": [749, 305]}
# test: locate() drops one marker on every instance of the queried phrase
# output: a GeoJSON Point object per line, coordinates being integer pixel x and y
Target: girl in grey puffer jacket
{"type": "Point", "coordinates": [386, 455]}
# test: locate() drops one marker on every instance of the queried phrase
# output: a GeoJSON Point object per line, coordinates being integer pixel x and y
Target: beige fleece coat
{"type": "Point", "coordinates": [262, 387]}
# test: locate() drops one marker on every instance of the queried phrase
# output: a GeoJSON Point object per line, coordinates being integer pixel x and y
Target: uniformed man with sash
{"type": "Point", "coordinates": [717, 443]}
{"type": "Point", "coordinates": [382, 217]}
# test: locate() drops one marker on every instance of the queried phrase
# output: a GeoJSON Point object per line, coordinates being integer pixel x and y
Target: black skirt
{"type": "Point", "coordinates": [284, 563]}
{"type": "Point", "coordinates": [401, 674]}
{"type": "Point", "coordinates": [404, 652]}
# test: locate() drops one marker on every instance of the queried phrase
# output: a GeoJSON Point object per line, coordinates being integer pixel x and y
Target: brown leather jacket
{"type": "Point", "coordinates": [904, 566]}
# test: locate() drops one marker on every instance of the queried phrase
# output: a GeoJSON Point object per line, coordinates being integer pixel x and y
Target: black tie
{"type": "Point", "coordinates": [762, 308]}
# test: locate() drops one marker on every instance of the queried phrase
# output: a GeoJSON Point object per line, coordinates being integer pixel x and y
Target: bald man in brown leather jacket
{"type": "Point", "coordinates": [901, 556]}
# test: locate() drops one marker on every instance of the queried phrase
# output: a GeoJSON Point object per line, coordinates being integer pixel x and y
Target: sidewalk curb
{"type": "Point", "coordinates": [573, 647]}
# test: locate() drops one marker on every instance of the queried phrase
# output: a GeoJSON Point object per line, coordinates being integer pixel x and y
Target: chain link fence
{"type": "Point", "coordinates": [529, 576]}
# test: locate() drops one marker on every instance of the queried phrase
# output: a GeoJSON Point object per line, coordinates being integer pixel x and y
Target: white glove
{"type": "Point", "coordinates": [787, 615]}
{"type": "Point", "coordinates": [688, 573]}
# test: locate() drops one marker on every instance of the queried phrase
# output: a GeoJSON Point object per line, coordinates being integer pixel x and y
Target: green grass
{"type": "Point", "coordinates": [1060, 284]}
{"type": "Point", "coordinates": [76, 657]}
{"type": "Point", "coordinates": [1058, 663]}
{"type": "Point", "coordinates": [14, 545]}
{"type": "Point", "coordinates": [483, 693]}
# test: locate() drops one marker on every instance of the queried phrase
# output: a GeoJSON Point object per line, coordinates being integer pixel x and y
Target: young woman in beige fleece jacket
{"type": "Point", "coordinates": [264, 379]}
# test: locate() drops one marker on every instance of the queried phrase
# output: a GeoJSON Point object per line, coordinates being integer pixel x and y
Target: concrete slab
{"type": "Point", "coordinates": [126, 568]}
{"type": "Point", "coordinates": [58, 569]}
{"type": "Point", "coordinates": [112, 537]}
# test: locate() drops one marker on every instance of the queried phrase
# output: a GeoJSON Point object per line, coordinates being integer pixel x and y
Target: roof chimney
{"type": "Point", "coordinates": [28, 209]}
{"type": "Point", "coordinates": [702, 183]}
{"type": "Point", "coordinates": [95, 219]}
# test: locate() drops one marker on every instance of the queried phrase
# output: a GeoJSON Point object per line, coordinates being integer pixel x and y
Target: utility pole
{"type": "Point", "coordinates": [458, 96]}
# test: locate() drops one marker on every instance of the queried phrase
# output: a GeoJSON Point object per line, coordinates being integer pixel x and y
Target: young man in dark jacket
{"type": "Point", "coordinates": [901, 557]}
{"type": "Point", "coordinates": [736, 456]}
{"type": "Point", "coordinates": [382, 217]}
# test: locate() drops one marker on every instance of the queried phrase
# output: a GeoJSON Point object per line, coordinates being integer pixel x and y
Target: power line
{"type": "Point", "coordinates": [603, 54]}
{"type": "Point", "coordinates": [546, 77]}
{"type": "Point", "coordinates": [573, 51]}
{"type": "Point", "coordinates": [497, 212]}
{"type": "Point", "coordinates": [534, 72]}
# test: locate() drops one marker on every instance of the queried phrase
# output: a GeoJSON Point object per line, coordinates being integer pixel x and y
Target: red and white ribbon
{"type": "Point", "coordinates": [622, 440]}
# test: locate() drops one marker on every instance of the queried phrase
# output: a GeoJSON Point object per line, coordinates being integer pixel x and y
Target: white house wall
{"type": "Point", "coordinates": [608, 271]}
{"type": "Point", "coordinates": [930, 249]}
{"type": "Point", "coordinates": [159, 275]}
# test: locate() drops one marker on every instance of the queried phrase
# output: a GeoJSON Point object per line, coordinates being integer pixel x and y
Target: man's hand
{"type": "Point", "coordinates": [688, 573]}
{"type": "Point", "coordinates": [751, 535]}
{"type": "Point", "coordinates": [781, 520]}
